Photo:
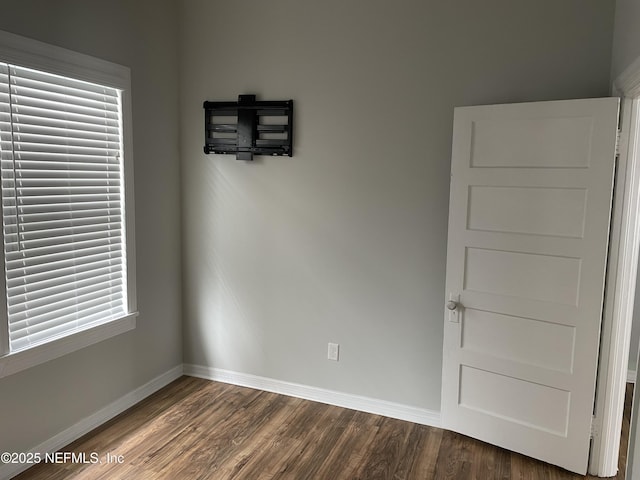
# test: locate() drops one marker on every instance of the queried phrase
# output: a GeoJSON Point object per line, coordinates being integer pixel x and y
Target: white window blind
{"type": "Point", "coordinates": [62, 204]}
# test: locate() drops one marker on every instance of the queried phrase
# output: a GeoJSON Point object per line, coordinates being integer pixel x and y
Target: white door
{"type": "Point", "coordinates": [531, 190]}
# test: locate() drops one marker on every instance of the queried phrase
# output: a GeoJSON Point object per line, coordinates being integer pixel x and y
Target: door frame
{"type": "Point", "coordinates": [620, 282]}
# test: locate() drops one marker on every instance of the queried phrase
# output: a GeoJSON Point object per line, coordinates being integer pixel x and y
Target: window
{"type": "Point", "coordinates": [65, 170]}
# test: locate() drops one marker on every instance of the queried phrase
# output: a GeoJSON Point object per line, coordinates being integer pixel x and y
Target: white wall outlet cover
{"type": "Point", "coordinates": [333, 351]}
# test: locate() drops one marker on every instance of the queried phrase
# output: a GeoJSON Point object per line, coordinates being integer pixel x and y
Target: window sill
{"type": "Point", "coordinates": [23, 359]}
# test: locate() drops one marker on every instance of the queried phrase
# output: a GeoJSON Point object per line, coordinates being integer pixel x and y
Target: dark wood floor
{"type": "Point", "coordinates": [197, 429]}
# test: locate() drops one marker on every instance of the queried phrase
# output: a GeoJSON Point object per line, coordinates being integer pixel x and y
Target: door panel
{"type": "Point", "coordinates": [530, 204]}
{"type": "Point", "coordinates": [525, 210]}
{"type": "Point", "coordinates": [527, 338]}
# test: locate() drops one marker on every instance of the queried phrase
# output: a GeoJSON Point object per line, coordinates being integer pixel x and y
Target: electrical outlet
{"type": "Point", "coordinates": [333, 351]}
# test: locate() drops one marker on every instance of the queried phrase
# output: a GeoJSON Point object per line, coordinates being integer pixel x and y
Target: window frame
{"type": "Point", "coordinates": [26, 52]}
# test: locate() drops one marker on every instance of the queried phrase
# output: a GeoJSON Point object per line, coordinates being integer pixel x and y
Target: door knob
{"type": "Point", "coordinates": [453, 308]}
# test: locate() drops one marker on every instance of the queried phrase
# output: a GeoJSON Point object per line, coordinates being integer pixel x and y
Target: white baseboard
{"type": "Point", "coordinates": [89, 423]}
{"type": "Point", "coordinates": [631, 376]}
{"type": "Point", "coordinates": [346, 400]}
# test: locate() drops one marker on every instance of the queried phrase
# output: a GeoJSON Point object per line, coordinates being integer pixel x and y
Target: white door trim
{"type": "Point", "coordinates": [621, 281]}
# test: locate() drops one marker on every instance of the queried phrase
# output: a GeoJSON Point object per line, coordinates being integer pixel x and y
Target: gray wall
{"type": "Point", "coordinates": [626, 36]}
{"type": "Point", "coordinates": [38, 403]}
{"type": "Point", "coordinates": [346, 241]}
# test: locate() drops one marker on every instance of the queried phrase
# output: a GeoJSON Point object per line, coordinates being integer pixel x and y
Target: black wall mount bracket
{"type": "Point", "coordinates": [249, 127]}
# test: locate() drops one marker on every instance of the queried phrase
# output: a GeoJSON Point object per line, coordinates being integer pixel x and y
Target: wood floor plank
{"type": "Point", "coordinates": [345, 458]}
{"type": "Point", "coordinates": [195, 429]}
{"type": "Point", "coordinates": [318, 443]}
{"type": "Point", "coordinates": [264, 442]}
{"type": "Point", "coordinates": [423, 462]}
{"type": "Point", "coordinates": [454, 458]}
{"type": "Point", "coordinates": [412, 446]}
{"type": "Point", "coordinates": [284, 443]}
{"type": "Point", "coordinates": [218, 441]}
{"type": "Point", "coordinates": [385, 451]}
{"type": "Point", "coordinates": [490, 462]}
{"type": "Point", "coordinates": [170, 435]}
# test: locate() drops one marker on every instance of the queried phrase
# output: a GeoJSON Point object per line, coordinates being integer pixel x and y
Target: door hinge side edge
{"type": "Point", "coordinates": [595, 432]}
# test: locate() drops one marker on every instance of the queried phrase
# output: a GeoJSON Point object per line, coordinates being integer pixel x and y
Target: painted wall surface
{"type": "Point", "coordinates": [346, 241]}
{"type": "Point", "coordinates": [626, 36]}
{"type": "Point", "coordinates": [40, 402]}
